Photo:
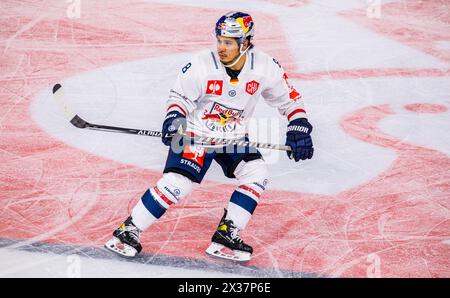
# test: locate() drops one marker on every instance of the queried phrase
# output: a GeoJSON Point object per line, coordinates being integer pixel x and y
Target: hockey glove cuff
{"type": "Point", "coordinates": [171, 125]}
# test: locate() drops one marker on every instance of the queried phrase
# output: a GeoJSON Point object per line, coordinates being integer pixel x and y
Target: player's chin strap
{"type": "Point", "coordinates": [238, 58]}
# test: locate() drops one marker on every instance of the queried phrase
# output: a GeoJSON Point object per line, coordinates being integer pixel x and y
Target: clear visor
{"type": "Point", "coordinates": [231, 28]}
{"type": "Point", "coordinates": [232, 32]}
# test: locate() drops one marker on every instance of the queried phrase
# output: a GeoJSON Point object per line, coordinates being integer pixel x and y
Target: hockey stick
{"type": "Point", "coordinates": [79, 122]}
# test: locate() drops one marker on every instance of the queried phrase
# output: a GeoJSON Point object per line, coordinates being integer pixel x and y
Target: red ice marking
{"type": "Point", "coordinates": [418, 24]}
{"type": "Point", "coordinates": [367, 73]}
{"type": "Point", "coordinates": [55, 193]}
{"type": "Point", "coordinates": [426, 108]}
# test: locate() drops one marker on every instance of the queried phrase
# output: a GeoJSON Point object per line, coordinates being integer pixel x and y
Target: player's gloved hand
{"type": "Point", "coordinates": [299, 139]}
{"type": "Point", "coordinates": [171, 125]}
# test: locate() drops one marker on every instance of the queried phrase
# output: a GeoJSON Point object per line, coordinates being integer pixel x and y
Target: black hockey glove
{"type": "Point", "coordinates": [299, 139]}
{"type": "Point", "coordinates": [170, 126]}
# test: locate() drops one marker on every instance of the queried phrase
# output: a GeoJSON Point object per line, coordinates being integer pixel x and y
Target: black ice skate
{"type": "Point", "coordinates": [227, 244]}
{"type": "Point", "coordinates": [125, 239]}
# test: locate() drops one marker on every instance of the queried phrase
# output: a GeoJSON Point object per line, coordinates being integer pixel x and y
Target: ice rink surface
{"type": "Point", "coordinates": [373, 202]}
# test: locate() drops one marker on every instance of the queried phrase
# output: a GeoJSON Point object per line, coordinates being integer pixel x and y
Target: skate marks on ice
{"type": "Point", "coordinates": [109, 264]}
{"type": "Point", "coordinates": [401, 216]}
{"type": "Point", "coordinates": [49, 189]}
{"type": "Point", "coordinates": [423, 26]}
{"type": "Point", "coordinates": [312, 234]}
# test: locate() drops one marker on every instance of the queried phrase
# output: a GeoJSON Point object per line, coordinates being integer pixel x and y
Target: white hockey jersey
{"type": "Point", "coordinates": [217, 106]}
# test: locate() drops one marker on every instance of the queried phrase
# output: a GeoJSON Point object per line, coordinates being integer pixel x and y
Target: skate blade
{"type": "Point", "coordinates": [216, 250]}
{"type": "Point", "coordinates": [121, 248]}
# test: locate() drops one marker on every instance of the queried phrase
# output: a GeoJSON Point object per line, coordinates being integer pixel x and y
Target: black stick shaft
{"type": "Point", "coordinates": [79, 122]}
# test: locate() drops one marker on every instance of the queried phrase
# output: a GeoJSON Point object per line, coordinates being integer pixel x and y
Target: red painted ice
{"type": "Point", "coordinates": [373, 202]}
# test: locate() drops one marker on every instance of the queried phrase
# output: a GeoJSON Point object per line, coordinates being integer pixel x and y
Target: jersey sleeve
{"type": "Point", "coordinates": [281, 94]}
{"type": "Point", "coordinates": [186, 90]}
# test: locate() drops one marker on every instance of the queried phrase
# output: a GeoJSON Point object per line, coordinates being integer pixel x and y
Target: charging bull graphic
{"type": "Point", "coordinates": [221, 118]}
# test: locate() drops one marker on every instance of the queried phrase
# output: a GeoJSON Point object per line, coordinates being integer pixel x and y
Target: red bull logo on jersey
{"type": "Point", "coordinates": [252, 87]}
{"type": "Point", "coordinates": [221, 118]}
{"type": "Point", "coordinates": [214, 87]}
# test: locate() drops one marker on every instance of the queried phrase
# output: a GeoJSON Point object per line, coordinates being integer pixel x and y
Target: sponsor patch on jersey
{"type": "Point", "coordinates": [252, 87]}
{"type": "Point", "coordinates": [221, 118]}
{"type": "Point", "coordinates": [232, 93]}
{"type": "Point", "coordinates": [195, 153]}
{"type": "Point", "coordinates": [214, 87]}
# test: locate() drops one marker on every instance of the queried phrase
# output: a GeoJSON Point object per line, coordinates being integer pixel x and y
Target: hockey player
{"type": "Point", "coordinates": [215, 95]}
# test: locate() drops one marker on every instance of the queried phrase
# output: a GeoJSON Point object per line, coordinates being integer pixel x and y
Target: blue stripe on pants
{"type": "Point", "coordinates": [152, 205]}
{"type": "Point", "coordinates": [243, 201]}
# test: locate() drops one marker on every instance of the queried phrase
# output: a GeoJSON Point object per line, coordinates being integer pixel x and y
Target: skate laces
{"type": "Point", "coordinates": [132, 231]}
